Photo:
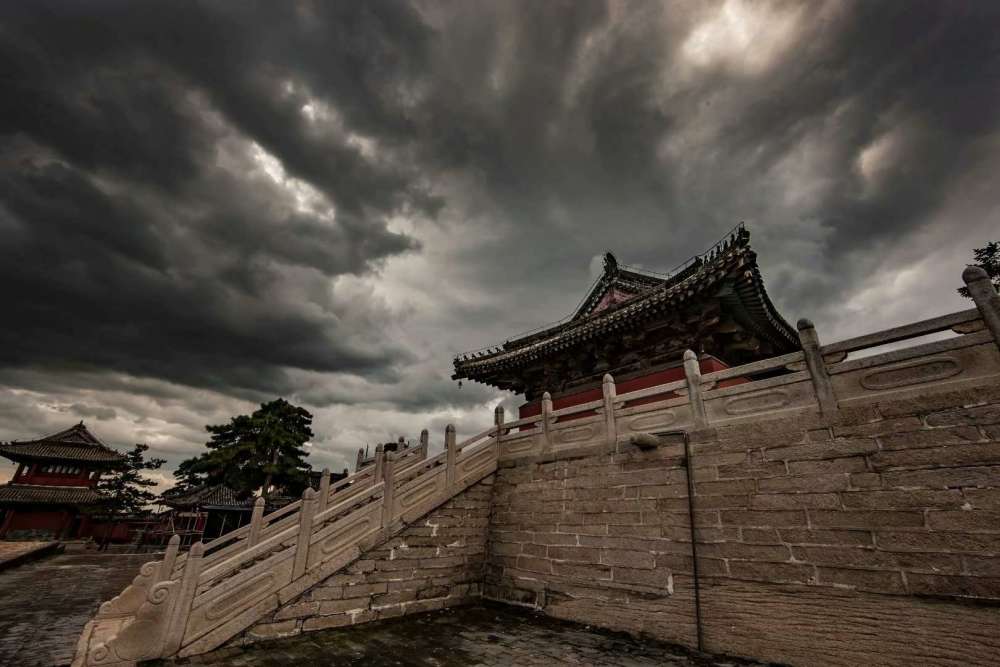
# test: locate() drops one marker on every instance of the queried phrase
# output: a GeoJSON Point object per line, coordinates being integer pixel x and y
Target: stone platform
{"type": "Point", "coordinates": [45, 604]}
{"type": "Point", "coordinates": [483, 635]}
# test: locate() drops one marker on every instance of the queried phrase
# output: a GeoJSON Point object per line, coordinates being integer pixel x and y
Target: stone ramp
{"type": "Point", "coordinates": [46, 603]}
{"type": "Point", "coordinates": [188, 604]}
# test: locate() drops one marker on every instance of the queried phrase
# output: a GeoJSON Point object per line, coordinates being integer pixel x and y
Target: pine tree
{"type": "Point", "coordinates": [987, 257]}
{"type": "Point", "coordinates": [264, 450]}
{"type": "Point", "coordinates": [125, 487]}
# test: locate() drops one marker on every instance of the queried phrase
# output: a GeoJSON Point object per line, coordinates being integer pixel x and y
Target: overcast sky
{"type": "Point", "coordinates": [208, 205]}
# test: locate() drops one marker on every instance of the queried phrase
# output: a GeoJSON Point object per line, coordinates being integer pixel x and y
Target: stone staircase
{"type": "Point", "coordinates": [191, 603]}
{"type": "Point", "coordinates": [188, 604]}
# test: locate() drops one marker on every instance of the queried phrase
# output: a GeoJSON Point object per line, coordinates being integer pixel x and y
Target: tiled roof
{"type": "Point", "coordinates": [30, 494]}
{"type": "Point", "coordinates": [74, 444]}
{"type": "Point", "coordinates": [218, 496]}
{"type": "Point", "coordinates": [733, 259]}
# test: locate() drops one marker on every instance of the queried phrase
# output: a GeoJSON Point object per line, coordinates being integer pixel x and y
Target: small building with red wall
{"type": "Point", "coordinates": [636, 325]}
{"type": "Point", "coordinates": [54, 489]}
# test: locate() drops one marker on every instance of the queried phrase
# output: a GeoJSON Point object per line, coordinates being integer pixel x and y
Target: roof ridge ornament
{"type": "Point", "coordinates": [610, 264]}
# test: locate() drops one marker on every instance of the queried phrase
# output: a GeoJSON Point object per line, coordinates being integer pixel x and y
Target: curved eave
{"type": "Point", "coordinates": [619, 317]}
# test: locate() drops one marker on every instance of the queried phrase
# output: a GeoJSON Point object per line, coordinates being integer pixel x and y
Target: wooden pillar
{"type": "Point", "coordinates": [324, 490]}
{"type": "Point", "coordinates": [986, 298]}
{"type": "Point", "coordinates": [610, 392]}
{"type": "Point", "coordinates": [817, 367]}
{"type": "Point", "coordinates": [692, 372]}
{"type": "Point", "coordinates": [256, 521]}
{"type": "Point", "coordinates": [451, 453]}
{"type": "Point", "coordinates": [306, 514]}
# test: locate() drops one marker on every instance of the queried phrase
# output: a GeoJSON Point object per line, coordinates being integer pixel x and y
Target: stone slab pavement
{"type": "Point", "coordinates": [15, 553]}
{"type": "Point", "coordinates": [44, 604]}
{"type": "Point", "coordinates": [484, 635]}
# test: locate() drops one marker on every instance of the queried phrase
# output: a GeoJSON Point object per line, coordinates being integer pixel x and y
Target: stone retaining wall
{"type": "Point", "coordinates": [435, 562]}
{"type": "Point", "coordinates": [869, 537]}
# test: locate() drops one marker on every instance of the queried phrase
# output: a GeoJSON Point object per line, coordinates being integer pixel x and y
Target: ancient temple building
{"type": "Point", "coordinates": [54, 486]}
{"type": "Point", "coordinates": [636, 325]}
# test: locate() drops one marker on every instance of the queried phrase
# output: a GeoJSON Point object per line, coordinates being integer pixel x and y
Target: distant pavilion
{"type": "Point", "coordinates": [53, 492]}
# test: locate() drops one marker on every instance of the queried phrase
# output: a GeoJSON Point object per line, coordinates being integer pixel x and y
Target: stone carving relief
{"type": "Point", "coordinates": [911, 372]}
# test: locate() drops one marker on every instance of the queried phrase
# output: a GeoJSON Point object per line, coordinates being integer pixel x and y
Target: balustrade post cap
{"type": "Point", "coordinates": [450, 428]}
{"type": "Point", "coordinates": [608, 379]}
{"type": "Point", "coordinates": [973, 273]}
{"type": "Point", "coordinates": [260, 502]}
{"type": "Point", "coordinates": [424, 432]}
{"type": "Point", "coordinates": [546, 396]}
{"type": "Point", "coordinates": [174, 541]}
{"type": "Point", "coordinates": [378, 448]}
{"type": "Point", "coordinates": [309, 494]}
{"type": "Point", "coordinates": [805, 323]}
{"type": "Point", "coordinates": [197, 550]}
{"type": "Point", "coordinates": [689, 355]}
{"type": "Point", "coordinates": [498, 410]}
{"type": "Point", "coordinates": [326, 471]}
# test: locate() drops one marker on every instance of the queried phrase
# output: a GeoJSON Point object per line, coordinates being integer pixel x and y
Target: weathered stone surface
{"type": "Point", "coordinates": [45, 604]}
{"type": "Point", "coordinates": [436, 562]}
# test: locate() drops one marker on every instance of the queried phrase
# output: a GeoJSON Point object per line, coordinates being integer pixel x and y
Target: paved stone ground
{"type": "Point", "coordinates": [12, 551]}
{"type": "Point", "coordinates": [484, 635]}
{"type": "Point", "coordinates": [45, 604]}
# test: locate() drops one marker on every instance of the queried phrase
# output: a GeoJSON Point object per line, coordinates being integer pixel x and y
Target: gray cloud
{"type": "Point", "coordinates": [211, 204]}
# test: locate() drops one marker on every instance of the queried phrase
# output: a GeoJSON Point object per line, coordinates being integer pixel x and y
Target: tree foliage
{"type": "Point", "coordinates": [987, 257]}
{"type": "Point", "coordinates": [125, 487]}
{"type": "Point", "coordinates": [264, 450]}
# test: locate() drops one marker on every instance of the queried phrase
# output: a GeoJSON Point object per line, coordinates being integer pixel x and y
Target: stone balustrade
{"type": "Point", "coordinates": [191, 603]}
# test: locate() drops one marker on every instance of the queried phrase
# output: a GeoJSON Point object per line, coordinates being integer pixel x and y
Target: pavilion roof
{"type": "Point", "coordinates": [75, 444]}
{"type": "Point", "coordinates": [218, 496]}
{"type": "Point", "coordinates": [33, 494]}
{"type": "Point", "coordinates": [729, 271]}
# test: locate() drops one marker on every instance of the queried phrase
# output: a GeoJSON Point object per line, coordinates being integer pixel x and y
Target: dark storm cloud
{"type": "Point", "coordinates": [141, 235]}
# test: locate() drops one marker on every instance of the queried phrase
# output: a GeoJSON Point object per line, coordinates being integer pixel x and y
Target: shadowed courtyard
{"type": "Point", "coordinates": [45, 604]}
{"type": "Point", "coordinates": [483, 634]}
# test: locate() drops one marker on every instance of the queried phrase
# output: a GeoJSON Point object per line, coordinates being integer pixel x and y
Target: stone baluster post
{"type": "Point", "coordinates": [986, 298]}
{"type": "Point", "coordinates": [692, 372]}
{"type": "Point", "coordinates": [306, 514]}
{"type": "Point", "coordinates": [610, 392]}
{"type": "Point", "coordinates": [546, 422]}
{"type": "Point", "coordinates": [183, 600]}
{"type": "Point", "coordinates": [498, 420]}
{"type": "Point", "coordinates": [451, 454]}
{"type": "Point", "coordinates": [361, 459]}
{"type": "Point", "coordinates": [379, 462]}
{"type": "Point", "coordinates": [425, 441]}
{"type": "Point", "coordinates": [256, 521]}
{"type": "Point", "coordinates": [389, 496]}
{"type": "Point", "coordinates": [324, 490]}
{"type": "Point", "coordinates": [166, 570]}
{"type": "Point", "coordinates": [817, 367]}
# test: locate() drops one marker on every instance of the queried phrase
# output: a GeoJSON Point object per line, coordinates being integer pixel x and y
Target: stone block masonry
{"type": "Point", "coordinates": [435, 562]}
{"type": "Point", "coordinates": [869, 536]}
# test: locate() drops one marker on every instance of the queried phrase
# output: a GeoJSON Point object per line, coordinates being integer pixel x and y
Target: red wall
{"type": "Point", "coordinates": [707, 364]}
{"type": "Point", "coordinates": [33, 475]}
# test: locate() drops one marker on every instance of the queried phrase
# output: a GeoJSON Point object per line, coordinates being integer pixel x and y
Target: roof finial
{"type": "Point", "coordinates": [610, 263]}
